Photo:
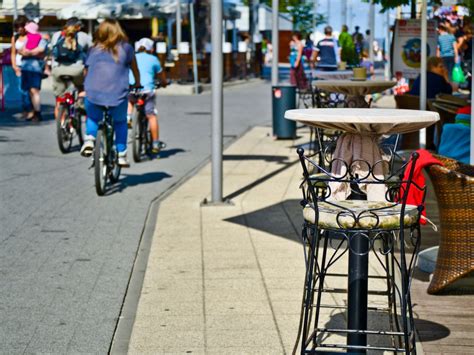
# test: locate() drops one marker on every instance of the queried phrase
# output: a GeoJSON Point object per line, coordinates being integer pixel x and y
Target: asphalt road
{"type": "Point", "coordinates": [66, 254]}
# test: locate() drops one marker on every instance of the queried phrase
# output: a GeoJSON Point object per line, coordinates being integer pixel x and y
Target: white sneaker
{"type": "Point", "coordinates": [122, 160]}
{"type": "Point", "coordinates": [88, 146]}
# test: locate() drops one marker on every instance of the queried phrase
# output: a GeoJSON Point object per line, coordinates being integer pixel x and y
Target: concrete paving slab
{"type": "Point", "coordinates": [247, 260]}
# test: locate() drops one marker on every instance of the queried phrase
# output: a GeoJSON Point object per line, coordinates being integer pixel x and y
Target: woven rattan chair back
{"type": "Point", "coordinates": [454, 188]}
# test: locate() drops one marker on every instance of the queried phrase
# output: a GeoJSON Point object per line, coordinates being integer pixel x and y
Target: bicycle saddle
{"type": "Point", "coordinates": [65, 77]}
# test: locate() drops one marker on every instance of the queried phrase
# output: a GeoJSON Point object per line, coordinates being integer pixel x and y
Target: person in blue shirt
{"type": "Point", "coordinates": [150, 70]}
{"type": "Point", "coordinates": [447, 48]}
{"type": "Point", "coordinates": [106, 85]}
{"type": "Point", "coordinates": [327, 52]}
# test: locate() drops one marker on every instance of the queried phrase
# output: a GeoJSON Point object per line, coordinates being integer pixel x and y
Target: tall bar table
{"type": "Point", "coordinates": [365, 124]}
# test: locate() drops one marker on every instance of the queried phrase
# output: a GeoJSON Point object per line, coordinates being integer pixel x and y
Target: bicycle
{"type": "Point", "coordinates": [70, 120]}
{"type": "Point", "coordinates": [142, 141]}
{"type": "Point", "coordinates": [105, 156]}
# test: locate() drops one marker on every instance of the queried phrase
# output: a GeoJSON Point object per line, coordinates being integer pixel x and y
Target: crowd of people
{"type": "Point", "coordinates": [331, 53]}
{"type": "Point", "coordinates": [102, 69]}
{"type": "Point", "coordinates": [447, 70]}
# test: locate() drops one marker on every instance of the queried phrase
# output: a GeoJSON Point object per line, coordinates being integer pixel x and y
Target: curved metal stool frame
{"type": "Point", "coordinates": [325, 246]}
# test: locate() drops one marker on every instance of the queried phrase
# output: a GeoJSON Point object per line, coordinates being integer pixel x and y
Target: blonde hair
{"type": "Point", "coordinates": [70, 41]}
{"type": "Point", "coordinates": [108, 35]}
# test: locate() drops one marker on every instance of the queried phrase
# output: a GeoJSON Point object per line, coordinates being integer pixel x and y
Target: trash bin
{"type": "Point", "coordinates": [283, 98]}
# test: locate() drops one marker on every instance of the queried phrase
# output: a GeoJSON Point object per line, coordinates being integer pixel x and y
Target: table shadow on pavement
{"type": "Point", "coordinates": [279, 159]}
{"type": "Point", "coordinates": [277, 219]}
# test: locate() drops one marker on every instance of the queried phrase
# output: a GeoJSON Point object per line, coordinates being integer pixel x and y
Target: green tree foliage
{"type": "Point", "coordinates": [391, 4]}
{"type": "Point", "coordinates": [303, 15]}
{"type": "Point", "coordinates": [301, 11]}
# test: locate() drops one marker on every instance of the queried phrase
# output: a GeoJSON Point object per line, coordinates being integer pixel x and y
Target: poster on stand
{"type": "Point", "coordinates": [407, 46]}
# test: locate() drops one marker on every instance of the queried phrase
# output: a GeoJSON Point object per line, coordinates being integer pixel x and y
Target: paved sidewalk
{"type": "Point", "coordinates": [229, 279]}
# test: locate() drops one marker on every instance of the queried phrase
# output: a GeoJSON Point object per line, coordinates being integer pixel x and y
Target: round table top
{"type": "Point", "coordinates": [365, 120]}
{"type": "Point", "coordinates": [355, 87]}
{"type": "Point", "coordinates": [333, 75]}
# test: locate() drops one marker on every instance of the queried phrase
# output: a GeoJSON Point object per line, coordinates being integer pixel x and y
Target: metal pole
{"type": "Point", "coordinates": [372, 30]}
{"type": "Point", "coordinates": [235, 44]}
{"type": "Point", "coordinates": [15, 9]}
{"type": "Point", "coordinates": [315, 11]}
{"type": "Point", "coordinates": [90, 27]}
{"type": "Point", "coordinates": [216, 99]}
{"type": "Point", "coordinates": [388, 61]}
{"type": "Point", "coordinates": [349, 15]}
{"type": "Point", "coordinates": [193, 40]}
{"type": "Point", "coordinates": [169, 24]}
{"type": "Point", "coordinates": [344, 13]}
{"type": "Point", "coordinates": [423, 75]}
{"type": "Point", "coordinates": [275, 42]}
{"type": "Point", "coordinates": [178, 23]}
{"type": "Point", "coordinates": [329, 10]}
{"type": "Point", "coordinates": [472, 112]}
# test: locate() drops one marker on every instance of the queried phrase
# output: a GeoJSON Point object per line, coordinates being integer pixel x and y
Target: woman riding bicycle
{"type": "Point", "coordinates": [106, 84]}
{"type": "Point", "coordinates": [150, 68]}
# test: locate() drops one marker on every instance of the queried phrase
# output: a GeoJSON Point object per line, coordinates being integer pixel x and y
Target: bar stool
{"type": "Point", "coordinates": [359, 228]}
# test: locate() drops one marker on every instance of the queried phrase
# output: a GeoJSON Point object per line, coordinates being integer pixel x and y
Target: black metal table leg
{"type": "Point", "coordinates": [357, 290]}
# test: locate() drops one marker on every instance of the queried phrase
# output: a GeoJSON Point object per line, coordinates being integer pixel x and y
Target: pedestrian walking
{"type": "Point", "coordinates": [348, 52]}
{"type": "Point", "coordinates": [447, 48]}
{"type": "Point", "coordinates": [327, 51]}
{"type": "Point", "coordinates": [32, 68]}
{"type": "Point", "coordinates": [297, 75]}
{"type": "Point", "coordinates": [18, 41]}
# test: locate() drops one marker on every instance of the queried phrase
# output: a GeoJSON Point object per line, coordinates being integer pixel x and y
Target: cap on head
{"type": "Point", "coordinates": [328, 30]}
{"type": "Point", "coordinates": [32, 27]}
{"type": "Point", "coordinates": [145, 43]}
{"type": "Point", "coordinates": [73, 21]}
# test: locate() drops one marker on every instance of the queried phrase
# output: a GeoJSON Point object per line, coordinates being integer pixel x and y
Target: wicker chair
{"type": "Point", "coordinates": [454, 187]}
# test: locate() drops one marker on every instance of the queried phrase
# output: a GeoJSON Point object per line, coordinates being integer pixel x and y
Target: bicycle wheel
{"type": "Point", "coordinates": [63, 129]}
{"type": "Point", "coordinates": [147, 138]}
{"type": "Point", "coordinates": [80, 126]}
{"type": "Point", "coordinates": [115, 171]}
{"type": "Point", "coordinates": [137, 144]}
{"type": "Point", "coordinates": [100, 163]}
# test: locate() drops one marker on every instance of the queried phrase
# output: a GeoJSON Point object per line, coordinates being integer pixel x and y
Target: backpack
{"type": "Point", "coordinates": [64, 55]}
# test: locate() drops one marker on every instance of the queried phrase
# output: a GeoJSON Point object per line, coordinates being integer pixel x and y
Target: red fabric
{"type": "Point", "coordinates": [464, 110]}
{"type": "Point", "coordinates": [415, 195]}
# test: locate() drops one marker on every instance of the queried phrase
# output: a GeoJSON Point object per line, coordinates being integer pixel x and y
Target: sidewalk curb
{"type": "Point", "coordinates": [124, 327]}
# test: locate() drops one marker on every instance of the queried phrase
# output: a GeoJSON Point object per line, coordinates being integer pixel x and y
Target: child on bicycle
{"type": "Point", "coordinates": [150, 69]}
{"type": "Point", "coordinates": [106, 84]}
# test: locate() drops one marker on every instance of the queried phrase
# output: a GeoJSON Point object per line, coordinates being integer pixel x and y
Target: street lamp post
{"type": "Point", "coordinates": [193, 43]}
{"type": "Point", "coordinates": [372, 30]}
{"type": "Point", "coordinates": [15, 9]}
{"type": "Point", "coordinates": [178, 23]}
{"type": "Point", "coordinates": [275, 42]}
{"type": "Point", "coordinates": [216, 100]}
{"type": "Point", "coordinates": [423, 75]}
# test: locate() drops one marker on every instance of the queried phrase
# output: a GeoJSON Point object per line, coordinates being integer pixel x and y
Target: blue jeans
{"type": "Point", "coordinates": [25, 98]}
{"type": "Point", "coordinates": [95, 113]}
